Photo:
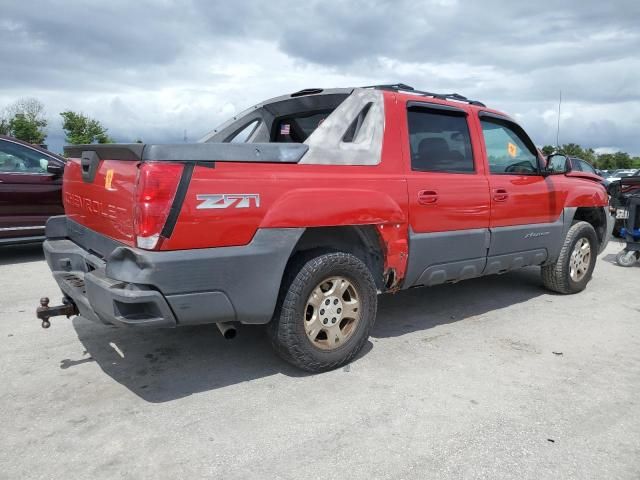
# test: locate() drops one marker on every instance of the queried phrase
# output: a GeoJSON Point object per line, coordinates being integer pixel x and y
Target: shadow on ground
{"type": "Point", "coordinates": [425, 308]}
{"type": "Point", "coordinates": [164, 365]}
{"type": "Point", "coordinates": [12, 254]}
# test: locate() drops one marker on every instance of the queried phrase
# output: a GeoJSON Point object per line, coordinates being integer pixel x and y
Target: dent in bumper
{"type": "Point", "coordinates": [101, 299]}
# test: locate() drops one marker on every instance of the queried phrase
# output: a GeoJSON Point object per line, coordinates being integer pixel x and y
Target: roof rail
{"type": "Point", "coordinates": [397, 87]}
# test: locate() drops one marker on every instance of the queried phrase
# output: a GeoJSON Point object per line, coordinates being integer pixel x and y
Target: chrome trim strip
{"type": "Point", "coordinates": [37, 227]}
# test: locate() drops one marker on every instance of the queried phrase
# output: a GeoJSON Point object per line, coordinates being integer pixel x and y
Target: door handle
{"type": "Point", "coordinates": [427, 197]}
{"type": "Point", "coordinates": [500, 195]}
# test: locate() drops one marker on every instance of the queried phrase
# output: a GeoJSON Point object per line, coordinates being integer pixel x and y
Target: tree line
{"type": "Point", "coordinates": [25, 120]}
{"type": "Point", "coordinates": [603, 161]}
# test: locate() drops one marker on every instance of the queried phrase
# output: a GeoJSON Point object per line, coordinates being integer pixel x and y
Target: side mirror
{"type": "Point", "coordinates": [557, 164]}
{"type": "Point", "coordinates": [55, 169]}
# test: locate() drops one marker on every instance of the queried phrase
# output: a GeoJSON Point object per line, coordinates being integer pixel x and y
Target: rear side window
{"type": "Point", "coordinates": [440, 141]}
{"type": "Point", "coordinates": [509, 150]}
{"type": "Point", "coordinates": [354, 128]}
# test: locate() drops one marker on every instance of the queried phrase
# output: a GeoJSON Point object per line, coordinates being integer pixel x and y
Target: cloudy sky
{"type": "Point", "coordinates": [153, 69]}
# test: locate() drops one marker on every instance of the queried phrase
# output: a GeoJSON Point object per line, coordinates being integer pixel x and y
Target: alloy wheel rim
{"type": "Point", "coordinates": [580, 260]}
{"type": "Point", "coordinates": [332, 313]}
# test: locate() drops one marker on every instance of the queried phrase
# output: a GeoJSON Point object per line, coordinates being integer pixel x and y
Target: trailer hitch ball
{"type": "Point", "coordinates": [44, 312]}
{"type": "Point", "coordinates": [44, 304]}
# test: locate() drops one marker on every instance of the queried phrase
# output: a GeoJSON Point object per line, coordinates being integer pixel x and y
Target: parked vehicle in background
{"type": "Point", "coordinates": [616, 175]}
{"type": "Point", "coordinates": [576, 164]}
{"type": "Point", "coordinates": [628, 215]}
{"type": "Point", "coordinates": [300, 210]}
{"type": "Point", "coordinates": [580, 165]}
{"type": "Point", "coordinates": [620, 191]}
{"type": "Point", "coordinates": [30, 190]}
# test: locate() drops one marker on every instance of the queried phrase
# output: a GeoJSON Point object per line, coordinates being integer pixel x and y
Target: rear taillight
{"type": "Point", "coordinates": [155, 191]}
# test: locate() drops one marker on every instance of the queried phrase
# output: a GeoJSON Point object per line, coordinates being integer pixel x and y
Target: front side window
{"type": "Point", "coordinates": [439, 141]}
{"type": "Point", "coordinates": [18, 159]}
{"type": "Point", "coordinates": [509, 151]}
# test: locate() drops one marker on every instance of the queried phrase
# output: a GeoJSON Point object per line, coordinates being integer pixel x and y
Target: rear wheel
{"type": "Point", "coordinates": [573, 269]}
{"type": "Point", "coordinates": [326, 311]}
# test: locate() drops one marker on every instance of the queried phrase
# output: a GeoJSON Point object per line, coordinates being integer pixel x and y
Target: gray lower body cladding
{"type": "Point", "coordinates": [120, 285]}
{"type": "Point", "coordinates": [441, 257]}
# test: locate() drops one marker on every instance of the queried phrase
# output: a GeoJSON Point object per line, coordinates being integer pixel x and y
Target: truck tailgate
{"type": "Point", "coordinates": [124, 191]}
{"type": "Point", "coordinates": [103, 199]}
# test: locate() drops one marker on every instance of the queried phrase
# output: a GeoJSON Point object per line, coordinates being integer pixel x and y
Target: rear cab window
{"type": "Point", "coordinates": [297, 128]}
{"type": "Point", "coordinates": [439, 139]}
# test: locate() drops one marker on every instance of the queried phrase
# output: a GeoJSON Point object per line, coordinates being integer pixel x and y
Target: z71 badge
{"type": "Point", "coordinates": [226, 200]}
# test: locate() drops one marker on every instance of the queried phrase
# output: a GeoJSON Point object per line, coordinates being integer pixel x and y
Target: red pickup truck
{"type": "Point", "coordinates": [300, 210]}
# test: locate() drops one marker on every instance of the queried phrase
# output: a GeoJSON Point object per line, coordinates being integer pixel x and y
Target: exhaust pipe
{"type": "Point", "coordinates": [227, 329]}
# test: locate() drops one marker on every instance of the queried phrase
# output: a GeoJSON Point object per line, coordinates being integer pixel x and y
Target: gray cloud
{"type": "Point", "coordinates": [153, 69]}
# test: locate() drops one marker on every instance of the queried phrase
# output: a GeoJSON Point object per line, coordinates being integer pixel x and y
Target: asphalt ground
{"type": "Point", "coordinates": [490, 378]}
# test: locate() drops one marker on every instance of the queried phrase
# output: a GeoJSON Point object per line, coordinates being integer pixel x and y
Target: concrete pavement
{"type": "Point", "coordinates": [490, 378]}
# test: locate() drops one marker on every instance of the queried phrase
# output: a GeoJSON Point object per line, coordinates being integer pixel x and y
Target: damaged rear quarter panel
{"type": "Point", "coordinates": [302, 195]}
{"type": "Point", "coordinates": [294, 196]}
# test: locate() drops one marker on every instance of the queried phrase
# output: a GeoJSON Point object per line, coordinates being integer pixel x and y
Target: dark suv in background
{"type": "Point", "coordinates": [30, 190]}
{"type": "Point", "coordinates": [578, 164]}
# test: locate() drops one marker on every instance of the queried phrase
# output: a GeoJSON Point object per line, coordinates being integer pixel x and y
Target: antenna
{"type": "Point", "coordinates": [558, 130]}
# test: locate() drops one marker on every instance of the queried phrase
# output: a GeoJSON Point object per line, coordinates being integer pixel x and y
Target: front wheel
{"type": "Point", "coordinates": [573, 269]}
{"type": "Point", "coordinates": [327, 308]}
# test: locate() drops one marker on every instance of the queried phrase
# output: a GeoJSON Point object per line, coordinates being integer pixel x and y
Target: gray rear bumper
{"type": "Point", "coordinates": [120, 285]}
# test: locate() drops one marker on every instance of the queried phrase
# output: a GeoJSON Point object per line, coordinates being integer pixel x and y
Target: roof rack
{"type": "Point", "coordinates": [397, 87]}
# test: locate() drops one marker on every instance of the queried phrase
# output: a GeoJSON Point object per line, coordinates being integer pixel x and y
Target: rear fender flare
{"type": "Point", "coordinates": [331, 207]}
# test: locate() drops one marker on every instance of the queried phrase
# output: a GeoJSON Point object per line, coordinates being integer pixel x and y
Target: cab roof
{"type": "Point", "coordinates": [452, 99]}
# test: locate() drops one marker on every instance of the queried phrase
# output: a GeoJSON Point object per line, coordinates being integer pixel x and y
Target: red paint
{"type": "Point", "coordinates": [389, 195]}
{"type": "Point", "coordinates": [108, 211]}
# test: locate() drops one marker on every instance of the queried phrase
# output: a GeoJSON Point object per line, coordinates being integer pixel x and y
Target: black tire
{"type": "Point", "coordinates": [556, 276]}
{"type": "Point", "coordinates": [287, 329]}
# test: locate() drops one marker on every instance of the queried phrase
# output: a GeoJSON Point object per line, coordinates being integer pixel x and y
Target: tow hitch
{"type": "Point", "coordinates": [44, 312]}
